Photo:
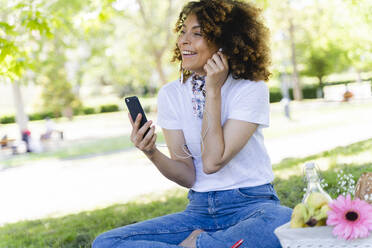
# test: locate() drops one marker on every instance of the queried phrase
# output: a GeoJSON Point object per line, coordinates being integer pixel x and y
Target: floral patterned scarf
{"type": "Point", "coordinates": [198, 99]}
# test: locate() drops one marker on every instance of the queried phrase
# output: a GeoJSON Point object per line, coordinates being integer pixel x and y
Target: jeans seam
{"type": "Point", "coordinates": [124, 237]}
{"type": "Point", "coordinates": [254, 197]}
{"type": "Point", "coordinates": [197, 243]}
{"type": "Point", "coordinates": [253, 215]}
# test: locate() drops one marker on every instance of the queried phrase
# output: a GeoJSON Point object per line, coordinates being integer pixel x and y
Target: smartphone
{"type": "Point", "coordinates": [135, 108]}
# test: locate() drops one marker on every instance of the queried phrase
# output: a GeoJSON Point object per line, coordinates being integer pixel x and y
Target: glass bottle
{"type": "Point", "coordinates": [313, 182]}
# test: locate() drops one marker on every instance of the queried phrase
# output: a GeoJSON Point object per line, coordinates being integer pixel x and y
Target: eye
{"type": "Point", "coordinates": [197, 34]}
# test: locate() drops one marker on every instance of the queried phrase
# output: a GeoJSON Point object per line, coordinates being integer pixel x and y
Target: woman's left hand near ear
{"type": "Point", "coordinates": [217, 69]}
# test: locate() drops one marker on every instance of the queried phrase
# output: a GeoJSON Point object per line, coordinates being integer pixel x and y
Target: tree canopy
{"type": "Point", "coordinates": [64, 45]}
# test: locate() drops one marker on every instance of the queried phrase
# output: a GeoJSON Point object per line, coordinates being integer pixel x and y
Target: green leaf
{"type": "Point", "coordinates": [6, 26]}
{"type": "Point", "coordinates": [20, 6]}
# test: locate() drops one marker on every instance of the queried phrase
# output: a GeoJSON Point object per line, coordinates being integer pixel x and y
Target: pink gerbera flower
{"type": "Point", "coordinates": [352, 218]}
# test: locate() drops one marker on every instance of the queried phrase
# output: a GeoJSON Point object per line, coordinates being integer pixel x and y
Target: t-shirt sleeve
{"type": "Point", "coordinates": [251, 104]}
{"type": "Point", "coordinates": [167, 116]}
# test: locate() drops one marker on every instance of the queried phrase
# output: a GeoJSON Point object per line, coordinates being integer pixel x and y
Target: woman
{"type": "Point", "coordinates": [212, 120]}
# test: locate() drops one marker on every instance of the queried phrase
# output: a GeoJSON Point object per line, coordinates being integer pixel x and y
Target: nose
{"type": "Point", "coordinates": [184, 39]}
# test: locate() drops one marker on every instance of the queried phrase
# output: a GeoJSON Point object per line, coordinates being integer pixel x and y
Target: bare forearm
{"type": "Point", "coordinates": [176, 171]}
{"type": "Point", "coordinates": [213, 141]}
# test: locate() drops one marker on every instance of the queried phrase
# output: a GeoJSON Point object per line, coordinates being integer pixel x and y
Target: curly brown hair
{"type": "Point", "coordinates": [238, 29]}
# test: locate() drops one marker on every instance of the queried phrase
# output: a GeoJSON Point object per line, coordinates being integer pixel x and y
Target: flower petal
{"type": "Point", "coordinates": [349, 229]}
{"type": "Point", "coordinates": [338, 230]}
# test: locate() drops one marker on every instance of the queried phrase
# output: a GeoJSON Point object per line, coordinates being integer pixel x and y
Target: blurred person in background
{"type": "Point", "coordinates": [50, 128]}
{"type": "Point", "coordinates": [26, 136]}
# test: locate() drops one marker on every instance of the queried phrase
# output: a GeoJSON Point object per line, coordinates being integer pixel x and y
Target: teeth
{"type": "Point", "coordinates": [187, 52]}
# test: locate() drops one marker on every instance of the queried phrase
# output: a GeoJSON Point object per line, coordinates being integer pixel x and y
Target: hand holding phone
{"type": "Point", "coordinates": [144, 142]}
{"type": "Point", "coordinates": [135, 108]}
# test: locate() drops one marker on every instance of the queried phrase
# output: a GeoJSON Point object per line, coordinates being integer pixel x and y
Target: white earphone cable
{"type": "Point", "coordinates": [185, 147]}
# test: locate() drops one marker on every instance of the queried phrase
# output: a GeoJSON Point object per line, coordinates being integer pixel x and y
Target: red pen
{"type": "Point", "coordinates": [237, 244]}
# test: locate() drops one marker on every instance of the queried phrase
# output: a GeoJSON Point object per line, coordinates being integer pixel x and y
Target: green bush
{"type": "Point", "coordinates": [308, 92]}
{"type": "Point", "coordinates": [89, 110]}
{"type": "Point", "coordinates": [77, 111]}
{"type": "Point", "coordinates": [49, 115]}
{"type": "Point", "coordinates": [109, 108]}
{"type": "Point", "coordinates": [35, 117]}
{"type": "Point", "coordinates": [7, 119]}
{"type": "Point", "coordinates": [275, 95]}
{"type": "Point", "coordinates": [41, 116]}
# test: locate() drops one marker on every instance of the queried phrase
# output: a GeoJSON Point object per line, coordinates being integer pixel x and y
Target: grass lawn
{"type": "Point", "coordinates": [307, 116]}
{"type": "Point", "coordinates": [310, 116]}
{"type": "Point", "coordinates": [79, 230]}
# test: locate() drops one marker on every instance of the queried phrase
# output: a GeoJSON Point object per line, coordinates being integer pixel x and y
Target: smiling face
{"type": "Point", "coordinates": [194, 48]}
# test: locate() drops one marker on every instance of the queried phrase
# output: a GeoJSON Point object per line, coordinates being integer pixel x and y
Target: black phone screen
{"type": "Point", "coordinates": [135, 108]}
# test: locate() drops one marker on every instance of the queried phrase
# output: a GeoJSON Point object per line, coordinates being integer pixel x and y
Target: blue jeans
{"type": "Point", "coordinates": [226, 216]}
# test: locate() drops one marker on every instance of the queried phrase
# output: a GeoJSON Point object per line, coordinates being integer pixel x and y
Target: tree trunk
{"type": "Point", "coordinates": [297, 89]}
{"type": "Point", "coordinates": [21, 117]}
{"type": "Point", "coordinates": [158, 52]}
{"type": "Point", "coordinates": [320, 92]}
{"type": "Point", "coordinates": [359, 76]}
{"type": "Point", "coordinates": [160, 70]}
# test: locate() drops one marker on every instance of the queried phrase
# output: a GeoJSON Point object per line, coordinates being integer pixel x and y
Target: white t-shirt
{"type": "Point", "coordinates": [240, 100]}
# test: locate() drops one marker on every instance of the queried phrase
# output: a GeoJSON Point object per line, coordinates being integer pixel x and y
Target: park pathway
{"type": "Point", "coordinates": [55, 187]}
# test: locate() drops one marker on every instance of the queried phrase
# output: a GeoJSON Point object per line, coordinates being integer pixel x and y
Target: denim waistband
{"type": "Point", "coordinates": [232, 198]}
{"type": "Point", "coordinates": [261, 189]}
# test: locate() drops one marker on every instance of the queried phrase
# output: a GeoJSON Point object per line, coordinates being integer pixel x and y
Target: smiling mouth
{"type": "Point", "coordinates": [188, 53]}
